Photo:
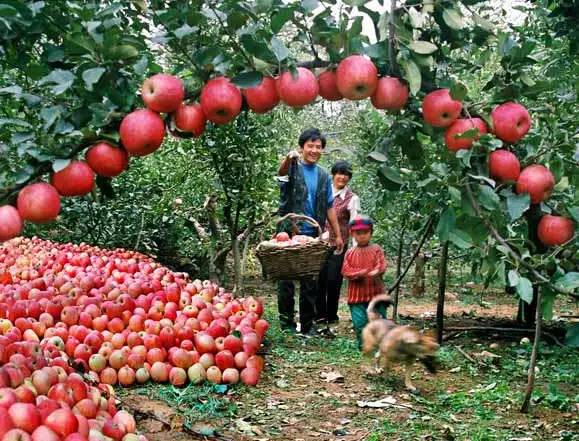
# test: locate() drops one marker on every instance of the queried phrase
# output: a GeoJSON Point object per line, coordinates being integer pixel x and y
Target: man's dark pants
{"type": "Point", "coordinates": [286, 303]}
{"type": "Point", "coordinates": [330, 285]}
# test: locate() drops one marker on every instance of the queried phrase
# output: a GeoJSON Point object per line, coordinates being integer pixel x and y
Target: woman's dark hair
{"type": "Point", "coordinates": [342, 167]}
{"type": "Point", "coordinates": [311, 134]}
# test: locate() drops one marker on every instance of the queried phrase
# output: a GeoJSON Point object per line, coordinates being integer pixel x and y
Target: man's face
{"type": "Point", "coordinates": [311, 151]}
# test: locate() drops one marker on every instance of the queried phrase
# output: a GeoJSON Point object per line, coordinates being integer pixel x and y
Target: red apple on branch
{"type": "Point", "coordinates": [511, 121]}
{"type": "Point", "coordinates": [390, 94]}
{"type": "Point", "coordinates": [263, 97]}
{"type": "Point", "coordinates": [163, 93]}
{"type": "Point", "coordinates": [328, 87]}
{"type": "Point", "coordinates": [298, 91]}
{"type": "Point", "coordinates": [356, 77]}
{"type": "Point", "coordinates": [461, 126]}
{"type": "Point", "coordinates": [142, 132]}
{"type": "Point", "coordinates": [106, 160]}
{"type": "Point", "coordinates": [38, 203]}
{"type": "Point", "coordinates": [555, 230]}
{"type": "Point", "coordinates": [439, 109]}
{"type": "Point", "coordinates": [220, 100]}
{"type": "Point", "coordinates": [190, 118]}
{"type": "Point", "coordinates": [538, 181]}
{"type": "Point", "coordinates": [504, 166]}
{"type": "Point", "coordinates": [10, 222]}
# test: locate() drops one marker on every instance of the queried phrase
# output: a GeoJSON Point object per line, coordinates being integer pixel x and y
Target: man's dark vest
{"type": "Point", "coordinates": [295, 194]}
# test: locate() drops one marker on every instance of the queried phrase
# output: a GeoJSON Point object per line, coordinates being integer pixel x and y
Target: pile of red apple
{"type": "Point", "coordinates": [511, 122]}
{"type": "Point", "coordinates": [283, 239]}
{"type": "Point", "coordinates": [116, 317]}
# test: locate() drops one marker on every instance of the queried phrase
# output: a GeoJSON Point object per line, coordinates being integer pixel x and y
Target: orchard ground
{"type": "Point", "coordinates": [314, 389]}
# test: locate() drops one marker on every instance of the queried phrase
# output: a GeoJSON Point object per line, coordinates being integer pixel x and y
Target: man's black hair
{"type": "Point", "coordinates": [342, 167]}
{"type": "Point", "coordinates": [311, 134]}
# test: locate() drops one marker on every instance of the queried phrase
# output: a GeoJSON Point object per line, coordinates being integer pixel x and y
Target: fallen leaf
{"type": "Point", "coordinates": [332, 377]}
{"type": "Point", "coordinates": [388, 401]}
{"type": "Point", "coordinates": [454, 370]}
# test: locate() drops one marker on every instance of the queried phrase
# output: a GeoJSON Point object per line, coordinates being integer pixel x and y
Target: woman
{"type": "Point", "coordinates": [346, 206]}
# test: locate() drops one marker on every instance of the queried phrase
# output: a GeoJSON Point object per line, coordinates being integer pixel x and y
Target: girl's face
{"type": "Point", "coordinates": [362, 237]}
{"type": "Point", "coordinates": [340, 180]}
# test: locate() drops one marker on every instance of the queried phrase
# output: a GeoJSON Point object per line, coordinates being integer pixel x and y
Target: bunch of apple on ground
{"type": "Point", "coordinates": [76, 320]}
{"type": "Point", "coordinates": [355, 78]}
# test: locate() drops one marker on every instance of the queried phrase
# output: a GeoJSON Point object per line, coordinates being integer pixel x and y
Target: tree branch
{"type": "Point", "coordinates": [427, 230]}
{"type": "Point", "coordinates": [536, 275]}
{"type": "Point", "coordinates": [392, 36]}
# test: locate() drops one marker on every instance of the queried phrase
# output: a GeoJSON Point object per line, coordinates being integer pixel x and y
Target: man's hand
{"type": "Point", "coordinates": [339, 245]}
{"type": "Point", "coordinates": [294, 154]}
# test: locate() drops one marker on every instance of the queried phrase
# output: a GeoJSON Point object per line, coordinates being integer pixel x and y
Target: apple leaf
{"type": "Point", "coordinates": [92, 76]}
{"type": "Point", "coordinates": [460, 238]}
{"type": "Point", "coordinates": [390, 178]}
{"type": "Point", "coordinates": [469, 134]}
{"type": "Point", "coordinates": [483, 23]}
{"type": "Point", "coordinates": [278, 47]}
{"type": "Point", "coordinates": [245, 80]}
{"type": "Point", "coordinates": [458, 91]}
{"type": "Point", "coordinates": [412, 75]}
{"type": "Point", "coordinates": [423, 47]}
{"type": "Point", "coordinates": [574, 212]}
{"type": "Point", "coordinates": [310, 5]}
{"type": "Point", "coordinates": [569, 281]}
{"type": "Point", "coordinates": [446, 224]}
{"type": "Point", "coordinates": [525, 289]}
{"type": "Point", "coordinates": [280, 18]}
{"type": "Point", "coordinates": [60, 164]}
{"type": "Point", "coordinates": [488, 198]}
{"type": "Point", "coordinates": [377, 156]}
{"type": "Point", "coordinates": [513, 277]}
{"type": "Point", "coordinates": [517, 204]}
{"type": "Point", "coordinates": [453, 18]}
{"type": "Point", "coordinates": [355, 2]}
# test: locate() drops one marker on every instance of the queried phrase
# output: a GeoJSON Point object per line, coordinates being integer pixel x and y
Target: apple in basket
{"type": "Point", "coordinates": [301, 238]}
{"type": "Point", "coordinates": [282, 237]}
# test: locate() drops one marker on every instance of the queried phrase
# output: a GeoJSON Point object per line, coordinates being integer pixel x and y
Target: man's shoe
{"type": "Point", "coordinates": [310, 333]}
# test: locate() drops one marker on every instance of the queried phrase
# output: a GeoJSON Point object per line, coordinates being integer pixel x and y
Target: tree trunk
{"type": "Point", "coordinates": [441, 292]}
{"type": "Point", "coordinates": [244, 255]}
{"type": "Point", "coordinates": [398, 271]}
{"type": "Point", "coordinates": [419, 276]}
{"type": "Point", "coordinates": [527, 312]}
{"type": "Point", "coordinates": [534, 353]}
{"type": "Point", "coordinates": [238, 288]}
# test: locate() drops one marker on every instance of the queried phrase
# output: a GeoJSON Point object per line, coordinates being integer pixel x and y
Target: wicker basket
{"type": "Point", "coordinates": [295, 261]}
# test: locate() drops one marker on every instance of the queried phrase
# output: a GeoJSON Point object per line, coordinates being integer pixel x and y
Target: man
{"type": "Point", "coordinates": [306, 188]}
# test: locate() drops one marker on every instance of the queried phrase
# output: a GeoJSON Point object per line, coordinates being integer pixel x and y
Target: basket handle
{"type": "Point", "coordinates": [300, 217]}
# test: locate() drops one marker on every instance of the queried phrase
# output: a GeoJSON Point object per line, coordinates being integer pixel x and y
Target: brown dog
{"type": "Point", "coordinates": [397, 343]}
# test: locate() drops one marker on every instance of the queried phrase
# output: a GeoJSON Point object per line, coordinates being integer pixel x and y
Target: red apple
{"type": "Point", "coordinates": [114, 430]}
{"type": "Point", "coordinates": [62, 421]}
{"type": "Point", "coordinates": [214, 375]}
{"type": "Point", "coordinates": [142, 132]}
{"type": "Point", "coordinates": [461, 126]}
{"type": "Point", "coordinates": [356, 77]}
{"type": "Point", "coordinates": [328, 87]}
{"type": "Point", "coordinates": [10, 222]}
{"type": "Point", "coordinates": [16, 435]}
{"type": "Point", "coordinates": [38, 203]}
{"type": "Point", "coordinates": [390, 94]}
{"type": "Point", "coordinates": [197, 373]}
{"type": "Point", "coordinates": [190, 118]}
{"type": "Point", "coordinates": [106, 160]}
{"type": "Point", "coordinates": [511, 122]}
{"type": "Point", "coordinates": [163, 93]}
{"type": "Point", "coordinates": [43, 433]}
{"type": "Point", "coordinates": [125, 419]}
{"type": "Point", "coordinates": [298, 91]}
{"type": "Point", "coordinates": [177, 376]}
{"type": "Point", "coordinates": [439, 109]}
{"type": "Point", "coordinates": [504, 166]}
{"type": "Point", "coordinates": [249, 376]}
{"type": "Point", "coordinates": [555, 230]}
{"type": "Point", "coordinates": [263, 97]}
{"type": "Point", "coordinates": [76, 179]}
{"type": "Point", "coordinates": [536, 180]}
{"type": "Point", "coordinates": [25, 416]}
{"type": "Point", "coordinates": [220, 100]}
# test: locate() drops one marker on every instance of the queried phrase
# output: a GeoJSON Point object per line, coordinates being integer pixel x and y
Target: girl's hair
{"type": "Point", "coordinates": [342, 167]}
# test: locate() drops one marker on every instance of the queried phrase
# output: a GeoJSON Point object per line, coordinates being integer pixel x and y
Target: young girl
{"type": "Point", "coordinates": [364, 266]}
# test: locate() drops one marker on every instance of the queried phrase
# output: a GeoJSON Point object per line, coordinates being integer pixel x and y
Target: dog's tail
{"type": "Point", "coordinates": [373, 314]}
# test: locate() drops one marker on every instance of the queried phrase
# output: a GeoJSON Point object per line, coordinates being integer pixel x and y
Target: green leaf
{"type": "Point", "coordinates": [423, 47]}
{"type": "Point", "coordinates": [569, 281]}
{"type": "Point", "coordinates": [62, 80]}
{"type": "Point", "coordinates": [458, 91]}
{"type": "Point", "coordinates": [517, 204]}
{"type": "Point", "coordinates": [50, 115]}
{"type": "Point", "coordinates": [245, 80]}
{"type": "Point", "coordinates": [572, 336]}
{"type": "Point", "coordinates": [453, 18]}
{"type": "Point", "coordinates": [13, 122]}
{"type": "Point", "coordinates": [412, 75]}
{"type": "Point", "coordinates": [280, 18]}
{"type": "Point", "coordinates": [13, 90]}
{"type": "Point", "coordinates": [356, 2]}
{"type": "Point", "coordinates": [123, 52]}
{"type": "Point", "coordinates": [278, 47]}
{"type": "Point", "coordinates": [488, 198]}
{"type": "Point", "coordinates": [525, 290]}
{"type": "Point", "coordinates": [483, 23]}
{"type": "Point", "coordinates": [390, 178]}
{"type": "Point", "coordinates": [377, 156]}
{"type": "Point", "coordinates": [513, 277]}
{"type": "Point", "coordinates": [310, 5]}
{"type": "Point", "coordinates": [184, 30]}
{"type": "Point", "coordinates": [460, 238]}
{"type": "Point", "coordinates": [60, 164]}
{"type": "Point", "coordinates": [446, 224]}
{"type": "Point", "coordinates": [92, 76]}
{"type": "Point", "coordinates": [377, 51]}
{"type": "Point", "coordinates": [574, 212]}
{"type": "Point", "coordinates": [455, 194]}
{"type": "Point", "coordinates": [263, 5]}
{"type": "Point", "coordinates": [547, 302]}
